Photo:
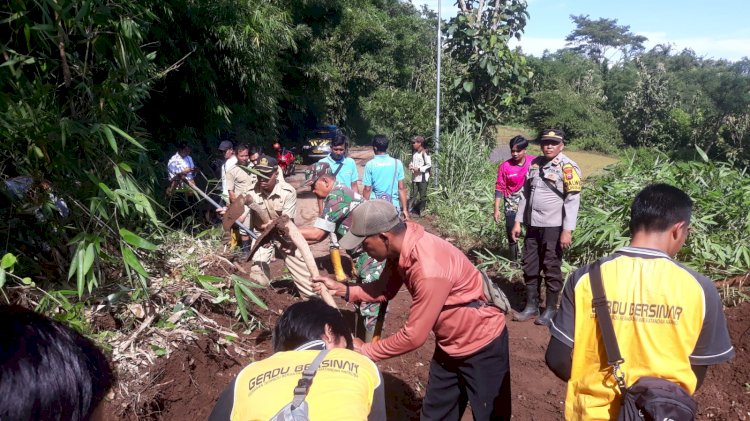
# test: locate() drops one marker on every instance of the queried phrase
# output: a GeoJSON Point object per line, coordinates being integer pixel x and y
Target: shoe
{"type": "Point", "coordinates": [532, 305]}
{"type": "Point", "coordinates": [549, 311]}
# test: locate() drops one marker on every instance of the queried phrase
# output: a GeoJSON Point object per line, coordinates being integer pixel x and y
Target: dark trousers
{"type": "Point", "coordinates": [482, 378]}
{"type": "Point", "coordinates": [418, 198]}
{"type": "Point", "coordinates": [542, 252]}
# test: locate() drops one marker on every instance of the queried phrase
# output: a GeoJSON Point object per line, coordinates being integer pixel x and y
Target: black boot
{"type": "Point", "coordinates": [532, 304]}
{"type": "Point", "coordinates": [245, 249]}
{"type": "Point", "coordinates": [513, 253]}
{"type": "Point", "coordinates": [549, 311]}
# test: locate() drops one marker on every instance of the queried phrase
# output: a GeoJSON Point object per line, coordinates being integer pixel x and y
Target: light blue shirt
{"type": "Point", "coordinates": [348, 172]}
{"type": "Point", "coordinates": [379, 174]}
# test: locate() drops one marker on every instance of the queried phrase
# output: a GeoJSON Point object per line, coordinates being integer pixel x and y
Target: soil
{"type": "Point", "coordinates": [185, 384]}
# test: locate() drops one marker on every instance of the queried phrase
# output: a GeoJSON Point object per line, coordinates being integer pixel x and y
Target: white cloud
{"type": "Point", "coordinates": [730, 48]}
{"type": "Point", "coordinates": [536, 45]}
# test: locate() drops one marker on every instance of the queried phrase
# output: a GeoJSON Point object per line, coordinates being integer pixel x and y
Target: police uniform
{"type": "Point", "coordinates": [550, 201]}
{"type": "Point", "coordinates": [282, 200]}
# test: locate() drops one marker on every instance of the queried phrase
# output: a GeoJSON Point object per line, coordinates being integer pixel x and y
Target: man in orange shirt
{"type": "Point", "coordinates": [471, 353]}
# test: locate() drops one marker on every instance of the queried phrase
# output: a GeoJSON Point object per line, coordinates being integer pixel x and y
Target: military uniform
{"type": "Point", "coordinates": [550, 201]}
{"type": "Point", "coordinates": [337, 218]}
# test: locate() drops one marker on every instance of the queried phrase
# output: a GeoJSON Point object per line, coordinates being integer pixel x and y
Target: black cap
{"type": "Point", "coordinates": [553, 135]}
{"type": "Point", "coordinates": [266, 165]}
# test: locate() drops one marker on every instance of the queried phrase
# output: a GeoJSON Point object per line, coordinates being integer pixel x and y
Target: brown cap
{"type": "Point", "coordinates": [369, 218]}
{"type": "Point", "coordinates": [553, 135]}
{"type": "Point", "coordinates": [417, 139]}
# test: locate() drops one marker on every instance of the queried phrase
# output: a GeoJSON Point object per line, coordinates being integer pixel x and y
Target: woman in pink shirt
{"type": "Point", "coordinates": [510, 178]}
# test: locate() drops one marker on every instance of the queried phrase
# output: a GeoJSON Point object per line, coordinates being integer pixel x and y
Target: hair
{"type": "Point", "coordinates": [256, 149]}
{"type": "Point", "coordinates": [241, 147]}
{"type": "Point", "coordinates": [659, 206]}
{"type": "Point", "coordinates": [399, 228]}
{"type": "Point", "coordinates": [182, 145]}
{"type": "Point", "coordinates": [306, 321]}
{"type": "Point", "coordinates": [49, 371]}
{"type": "Point", "coordinates": [519, 141]}
{"type": "Point", "coordinates": [340, 139]}
{"type": "Point", "coordinates": [380, 143]}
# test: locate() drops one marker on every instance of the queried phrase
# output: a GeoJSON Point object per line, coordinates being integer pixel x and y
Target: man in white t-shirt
{"type": "Point", "coordinates": [230, 160]}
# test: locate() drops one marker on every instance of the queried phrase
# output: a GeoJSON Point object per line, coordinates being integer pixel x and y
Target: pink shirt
{"type": "Point", "coordinates": [510, 177]}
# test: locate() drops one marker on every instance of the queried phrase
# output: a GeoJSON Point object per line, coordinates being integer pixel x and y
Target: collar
{"type": "Point", "coordinates": [643, 251]}
{"type": "Point", "coordinates": [316, 344]}
{"type": "Point", "coordinates": [340, 161]}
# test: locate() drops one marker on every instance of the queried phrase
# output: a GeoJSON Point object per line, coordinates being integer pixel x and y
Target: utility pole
{"type": "Point", "coordinates": [437, 102]}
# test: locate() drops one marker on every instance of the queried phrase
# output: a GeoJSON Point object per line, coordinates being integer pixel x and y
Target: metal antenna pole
{"type": "Point", "coordinates": [437, 101]}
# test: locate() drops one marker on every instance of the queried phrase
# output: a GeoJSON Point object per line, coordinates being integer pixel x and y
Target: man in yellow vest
{"type": "Point", "coordinates": [667, 318]}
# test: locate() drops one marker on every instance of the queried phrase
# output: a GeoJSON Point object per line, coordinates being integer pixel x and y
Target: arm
{"type": "Point", "coordinates": [366, 192]}
{"type": "Point", "coordinates": [427, 163]}
{"type": "Point", "coordinates": [428, 299]}
{"type": "Point", "coordinates": [381, 290]}
{"type": "Point", "coordinates": [402, 199]}
{"type": "Point", "coordinates": [289, 208]}
{"type": "Point", "coordinates": [313, 234]}
{"type": "Point", "coordinates": [700, 374]}
{"type": "Point", "coordinates": [496, 212]}
{"type": "Point", "coordinates": [559, 359]}
{"type": "Point", "coordinates": [377, 409]}
{"type": "Point", "coordinates": [367, 183]}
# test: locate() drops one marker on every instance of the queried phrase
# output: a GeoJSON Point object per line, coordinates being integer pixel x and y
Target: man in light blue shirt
{"type": "Point", "coordinates": [384, 176]}
{"type": "Point", "coordinates": [341, 165]}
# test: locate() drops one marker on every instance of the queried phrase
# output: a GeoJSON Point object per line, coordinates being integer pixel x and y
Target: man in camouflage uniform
{"type": "Point", "coordinates": [549, 209]}
{"type": "Point", "coordinates": [338, 203]}
{"type": "Point", "coordinates": [275, 197]}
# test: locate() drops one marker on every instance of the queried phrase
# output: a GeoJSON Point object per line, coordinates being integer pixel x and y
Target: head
{"type": "Point", "coordinates": [226, 149]}
{"type": "Point", "coordinates": [243, 154]}
{"type": "Point", "coordinates": [417, 143]}
{"type": "Point", "coordinates": [309, 321]}
{"type": "Point", "coordinates": [255, 153]}
{"type": "Point", "coordinates": [320, 179]}
{"type": "Point", "coordinates": [50, 370]}
{"type": "Point", "coordinates": [380, 144]}
{"type": "Point", "coordinates": [663, 210]}
{"type": "Point", "coordinates": [553, 142]}
{"type": "Point", "coordinates": [183, 149]}
{"type": "Point", "coordinates": [276, 145]}
{"type": "Point", "coordinates": [518, 147]}
{"type": "Point", "coordinates": [268, 166]}
{"type": "Point", "coordinates": [377, 226]}
{"type": "Point", "coordinates": [338, 146]}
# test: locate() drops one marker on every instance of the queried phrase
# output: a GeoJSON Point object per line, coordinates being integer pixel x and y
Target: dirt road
{"type": "Point", "coordinates": [186, 384]}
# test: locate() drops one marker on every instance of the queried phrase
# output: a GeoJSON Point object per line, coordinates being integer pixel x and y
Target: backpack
{"type": "Point", "coordinates": [649, 398]}
{"type": "Point", "coordinates": [495, 296]}
{"type": "Point", "coordinates": [297, 409]}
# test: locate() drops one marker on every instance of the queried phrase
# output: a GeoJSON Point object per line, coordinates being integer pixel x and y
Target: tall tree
{"type": "Point", "coordinates": [598, 39]}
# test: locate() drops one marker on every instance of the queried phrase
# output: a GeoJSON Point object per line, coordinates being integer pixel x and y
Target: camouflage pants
{"type": "Point", "coordinates": [368, 270]}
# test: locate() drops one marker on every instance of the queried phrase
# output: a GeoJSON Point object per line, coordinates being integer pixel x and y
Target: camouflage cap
{"type": "Point", "coordinates": [318, 170]}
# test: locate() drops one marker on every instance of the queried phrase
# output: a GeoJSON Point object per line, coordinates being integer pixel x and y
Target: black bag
{"type": "Point", "coordinates": [649, 398]}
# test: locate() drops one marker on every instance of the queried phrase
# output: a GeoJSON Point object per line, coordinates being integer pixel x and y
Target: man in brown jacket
{"type": "Point", "coordinates": [471, 354]}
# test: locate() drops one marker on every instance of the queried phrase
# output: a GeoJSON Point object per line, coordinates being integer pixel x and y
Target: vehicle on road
{"type": "Point", "coordinates": [318, 145]}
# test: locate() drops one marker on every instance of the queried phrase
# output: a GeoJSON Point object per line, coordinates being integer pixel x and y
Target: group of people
{"type": "Point", "coordinates": [667, 318]}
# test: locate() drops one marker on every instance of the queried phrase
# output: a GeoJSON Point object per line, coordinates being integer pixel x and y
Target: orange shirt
{"type": "Point", "coordinates": [436, 274]}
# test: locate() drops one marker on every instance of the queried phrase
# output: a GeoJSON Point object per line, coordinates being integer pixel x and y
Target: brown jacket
{"type": "Point", "coordinates": [436, 274]}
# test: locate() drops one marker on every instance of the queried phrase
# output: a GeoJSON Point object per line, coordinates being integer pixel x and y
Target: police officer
{"type": "Point", "coordinates": [549, 209]}
{"type": "Point", "coordinates": [275, 197]}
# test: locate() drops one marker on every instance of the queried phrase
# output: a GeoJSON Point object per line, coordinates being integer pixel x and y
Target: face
{"type": "Point", "coordinates": [185, 152]}
{"type": "Point", "coordinates": [253, 158]}
{"type": "Point", "coordinates": [268, 184]}
{"type": "Point", "coordinates": [276, 146]}
{"type": "Point", "coordinates": [338, 151]}
{"type": "Point", "coordinates": [518, 154]}
{"type": "Point", "coordinates": [321, 187]}
{"type": "Point", "coordinates": [243, 156]}
{"type": "Point", "coordinates": [227, 153]}
{"type": "Point", "coordinates": [417, 146]}
{"type": "Point", "coordinates": [551, 149]}
{"type": "Point", "coordinates": [376, 246]}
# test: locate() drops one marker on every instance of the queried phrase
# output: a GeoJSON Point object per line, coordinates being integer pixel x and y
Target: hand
{"type": "Point", "coordinates": [336, 288]}
{"type": "Point", "coordinates": [406, 215]}
{"type": "Point", "coordinates": [515, 233]}
{"type": "Point", "coordinates": [221, 211]}
{"type": "Point", "coordinates": [357, 344]}
{"type": "Point", "coordinates": [496, 216]}
{"type": "Point", "coordinates": [566, 237]}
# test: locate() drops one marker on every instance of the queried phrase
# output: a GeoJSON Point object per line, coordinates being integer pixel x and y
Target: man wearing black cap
{"type": "Point", "coordinates": [549, 209]}
{"type": "Point", "coordinates": [275, 197]}
{"type": "Point", "coordinates": [471, 360]}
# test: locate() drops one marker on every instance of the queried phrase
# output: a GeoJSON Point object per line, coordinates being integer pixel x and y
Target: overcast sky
{"type": "Point", "coordinates": [717, 29]}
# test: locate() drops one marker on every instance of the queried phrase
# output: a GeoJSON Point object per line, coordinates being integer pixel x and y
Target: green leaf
{"type": "Point", "coordinates": [110, 138]}
{"type": "Point", "coordinates": [131, 260]}
{"type": "Point", "coordinates": [136, 241]}
{"type": "Point", "coordinates": [125, 167]}
{"type": "Point", "coordinates": [8, 261]}
{"type": "Point", "coordinates": [468, 86]}
{"type": "Point", "coordinates": [80, 273]}
{"type": "Point", "coordinates": [208, 278]}
{"type": "Point", "coordinates": [88, 258]}
{"type": "Point", "coordinates": [253, 297]}
{"type": "Point", "coordinates": [702, 154]}
{"type": "Point", "coordinates": [241, 303]}
{"type": "Point", "coordinates": [126, 136]}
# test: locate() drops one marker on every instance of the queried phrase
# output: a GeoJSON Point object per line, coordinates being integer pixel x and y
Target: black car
{"type": "Point", "coordinates": [318, 145]}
